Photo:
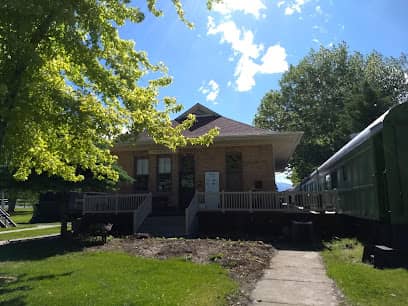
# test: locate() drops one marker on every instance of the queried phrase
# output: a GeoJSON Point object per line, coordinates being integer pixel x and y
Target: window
{"type": "Point", "coordinates": [164, 174]}
{"type": "Point", "coordinates": [142, 174]}
{"type": "Point", "coordinates": [327, 182]}
{"type": "Point", "coordinates": [233, 161]}
{"type": "Point", "coordinates": [344, 173]}
{"type": "Point", "coordinates": [333, 176]}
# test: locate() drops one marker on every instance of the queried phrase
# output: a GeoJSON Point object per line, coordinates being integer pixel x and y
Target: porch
{"type": "Point", "coordinates": [140, 205]}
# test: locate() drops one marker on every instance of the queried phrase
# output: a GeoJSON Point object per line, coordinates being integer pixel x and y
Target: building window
{"type": "Point", "coordinates": [142, 174]}
{"type": "Point", "coordinates": [164, 174]}
{"type": "Point", "coordinates": [233, 162]}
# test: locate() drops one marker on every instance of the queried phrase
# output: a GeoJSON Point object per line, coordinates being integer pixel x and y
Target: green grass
{"type": "Point", "coordinates": [361, 283]}
{"type": "Point", "coordinates": [49, 273]}
{"type": "Point", "coordinates": [31, 233]}
{"type": "Point", "coordinates": [19, 226]}
{"type": "Point", "coordinates": [22, 215]}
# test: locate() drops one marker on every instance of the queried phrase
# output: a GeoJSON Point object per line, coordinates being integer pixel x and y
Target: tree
{"type": "Point", "coordinates": [329, 95]}
{"type": "Point", "coordinates": [69, 85]}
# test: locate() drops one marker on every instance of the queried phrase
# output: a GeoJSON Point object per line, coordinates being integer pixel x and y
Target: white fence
{"type": "Point", "coordinates": [289, 201]}
{"type": "Point", "coordinates": [112, 203]}
{"type": "Point", "coordinates": [191, 213]}
{"type": "Point", "coordinates": [266, 201]}
{"type": "Point", "coordinates": [142, 212]}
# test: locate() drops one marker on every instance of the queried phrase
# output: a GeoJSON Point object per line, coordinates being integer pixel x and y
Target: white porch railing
{"type": "Point", "coordinates": [142, 212]}
{"type": "Point", "coordinates": [289, 201]}
{"type": "Point", "coordinates": [266, 201]}
{"type": "Point", "coordinates": [191, 214]}
{"type": "Point", "coordinates": [113, 203]}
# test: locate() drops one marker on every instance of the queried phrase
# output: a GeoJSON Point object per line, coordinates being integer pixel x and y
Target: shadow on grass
{"type": "Point", "coordinates": [38, 249]}
{"type": "Point", "coordinates": [17, 301]}
{"type": "Point", "coordinates": [21, 284]}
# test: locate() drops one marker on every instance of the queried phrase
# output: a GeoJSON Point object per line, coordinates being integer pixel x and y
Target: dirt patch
{"type": "Point", "coordinates": [245, 260]}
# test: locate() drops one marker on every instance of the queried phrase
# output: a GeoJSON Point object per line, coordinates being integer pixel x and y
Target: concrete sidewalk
{"type": "Point", "coordinates": [37, 227]}
{"type": "Point", "coordinates": [295, 278]}
{"type": "Point", "coordinates": [18, 240]}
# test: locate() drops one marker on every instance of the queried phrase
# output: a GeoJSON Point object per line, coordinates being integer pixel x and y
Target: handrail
{"type": "Point", "coordinates": [112, 203]}
{"type": "Point", "coordinates": [142, 212]}
{"type": "Point", "coordinates": [191, 216]}
{"type": "Point", "coordinates": [6, 219]}
{"type": "Point", "coordinates": [267, 201]}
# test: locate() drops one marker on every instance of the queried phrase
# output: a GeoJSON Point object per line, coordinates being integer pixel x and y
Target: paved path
{"type": "Point", "coordinates": [295, 278]}
{"type": "Point", "coordinates": [37, 227]}
{"type": "Point", "coordinates": [18, 240]}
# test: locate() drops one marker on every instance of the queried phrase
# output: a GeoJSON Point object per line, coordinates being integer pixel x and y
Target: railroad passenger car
{"type": "Point", "coordinates": [370, 174]}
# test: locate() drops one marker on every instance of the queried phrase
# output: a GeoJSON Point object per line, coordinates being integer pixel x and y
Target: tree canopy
{"type": "Point", "coordinates": [331, 94]}
{"type": "Point", "coordinates": [69, 85]}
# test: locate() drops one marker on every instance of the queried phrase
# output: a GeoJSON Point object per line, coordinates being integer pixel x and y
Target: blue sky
{"type": "Point", "coordinates": [238, 51]}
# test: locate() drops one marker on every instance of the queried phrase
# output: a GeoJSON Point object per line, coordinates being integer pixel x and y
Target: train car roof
{"type": "Point", "coordinates": [364, 135]}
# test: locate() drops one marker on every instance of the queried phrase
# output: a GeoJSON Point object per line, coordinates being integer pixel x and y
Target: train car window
{"type": "Point", "coordinates": [333, 176]}
{"type": "Point", "coordinates": [327, 182]}
{"type": "Point", "coordinates": [344, 173]}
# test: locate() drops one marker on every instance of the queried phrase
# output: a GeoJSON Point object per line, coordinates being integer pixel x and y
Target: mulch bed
{"type": "Point", "coordinates": [245, 260]}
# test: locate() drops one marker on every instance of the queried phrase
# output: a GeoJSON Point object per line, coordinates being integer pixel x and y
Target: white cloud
{"type": "Point", "coordinates": [315, 40]}
{"type": "Point", "coordinates": [294, 6]}
{"type": "Point", "coordinates": [241, 41]}
{"type": "Point", "coordinates": [253, 7]}
{"type": "Point", "coordinates": [319, 10]}
{"type": "Point", "coordinates": [211, 91]}
{"type": "Point", "coordinates": [274, 60]}
{"type": "Point", "coordinates": [280, 3]}
{"type": "Point", "coordinates": [321, 29]}
{"type": "Point", "coordinates": [243, 45]}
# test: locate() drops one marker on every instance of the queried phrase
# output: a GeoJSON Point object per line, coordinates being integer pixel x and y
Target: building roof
{"type": "Point", "coordinates": [230, 131]}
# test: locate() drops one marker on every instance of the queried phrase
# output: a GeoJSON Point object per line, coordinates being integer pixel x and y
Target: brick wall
{"type": "Point", "coordinates": [257, 165]}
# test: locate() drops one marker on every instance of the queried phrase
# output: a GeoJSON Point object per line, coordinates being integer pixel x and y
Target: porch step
{"type": "Point", "coordinates": [164, 226]}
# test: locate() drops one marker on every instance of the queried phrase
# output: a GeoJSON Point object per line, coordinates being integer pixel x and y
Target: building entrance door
{"type": "Point", "coordinates": [186, 180]}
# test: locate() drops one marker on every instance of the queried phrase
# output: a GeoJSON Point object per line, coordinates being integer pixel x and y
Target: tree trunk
{"type": "Point", "coordinates": [63, 199]}
{"type": "Point", "coordinates": [11, 205]}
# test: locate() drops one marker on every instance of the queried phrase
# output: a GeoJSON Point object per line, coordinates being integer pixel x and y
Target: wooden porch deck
{"type": "Point", "coordinates": [140, 205]}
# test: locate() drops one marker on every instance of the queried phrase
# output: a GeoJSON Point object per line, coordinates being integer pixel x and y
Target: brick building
{"type": "Point", "coordinates": [242, 158]}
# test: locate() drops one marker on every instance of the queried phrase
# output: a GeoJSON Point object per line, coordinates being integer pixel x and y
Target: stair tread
{"type": "Point", "coordinates": [167, 226]}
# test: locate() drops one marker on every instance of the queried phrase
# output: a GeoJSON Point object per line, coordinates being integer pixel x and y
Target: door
{"type": "Point", "coordinates": [212, 189]}
{"type": "Point", "coordinates": [186, 180]}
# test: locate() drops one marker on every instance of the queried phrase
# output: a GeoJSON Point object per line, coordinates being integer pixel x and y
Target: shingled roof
{"type": "Point", "coordinates": [207, 119]}
{"type": "Point", "coordinates": [230, 131]}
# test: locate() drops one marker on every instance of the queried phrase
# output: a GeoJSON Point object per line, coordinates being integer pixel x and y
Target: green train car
{"type": "Point", "coordinates": [370, 174]}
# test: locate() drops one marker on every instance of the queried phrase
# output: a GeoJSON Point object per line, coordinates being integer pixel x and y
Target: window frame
{"type": "Point", "coordinates": [141, 180]}
{"type": "Point", "coordinates": [162, 177]}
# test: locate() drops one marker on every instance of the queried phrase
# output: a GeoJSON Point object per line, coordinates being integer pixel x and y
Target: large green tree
{"type": "Point", "coordinates": [69, 85]}
{"type": "Point", "coordinates": [331, 94]}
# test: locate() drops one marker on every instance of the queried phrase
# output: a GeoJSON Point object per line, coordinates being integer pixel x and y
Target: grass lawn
{"type": "Point", "coordinates": [30, 233]}
{"type": "Point", "coordinates": [361, 283]}
{"type": "Point", "coordinates": [50, 273]}
{"type": "Point", "coordinates": [22, 215]}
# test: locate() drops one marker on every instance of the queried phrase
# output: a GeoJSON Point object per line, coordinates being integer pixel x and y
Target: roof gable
{"type": "Point", "coordinates": [199, 111]}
